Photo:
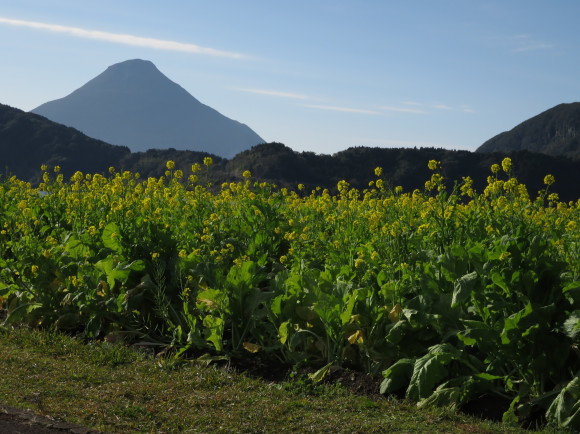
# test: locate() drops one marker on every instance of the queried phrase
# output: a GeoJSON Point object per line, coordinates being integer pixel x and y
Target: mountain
{"type": "Point", "coordinates": [27, 141]}
{"type": "Point", "coordinates": [554, 132]}
{"type": "Point", "coordinates": [133, 104]}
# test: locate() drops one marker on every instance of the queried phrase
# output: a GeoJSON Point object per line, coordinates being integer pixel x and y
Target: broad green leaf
{"type": "Point", "coordinates": [397, 376]}
{"type": "Point", "coordinates": [212, 299]}
{"type": "Point", "coordinates": [512, 329]}
{"type": "Point", "coordinates": [430, 369]}
{"type": "Point", "coordinates": [76, 249]}
{"type": "Point", "coordinates": [348, 308]}
{"type": "Point", "coordinates": [463, 287]}
{"type": "Point", "coordinates": [111, 237]}
{"type": "Point", "coordinates": [214, 331]}
{"type": "Point", "coordinates": [499, 281]}
{"type": "Point", "coordinates": [565, 409]}
{"type": "Point", "coordinates": [442, 397]}
{"type": "Point", "coordinates": [241, 276]}
{"type": "Point", "coordinates": [397, 332]}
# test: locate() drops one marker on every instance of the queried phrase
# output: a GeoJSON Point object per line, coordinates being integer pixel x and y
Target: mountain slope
{"type": "Point", "coordinates": [27, 141]}
{"type": "Point", "coordinates": [133, 104]}
{"type": "Point", "coordinates": [554, 132]}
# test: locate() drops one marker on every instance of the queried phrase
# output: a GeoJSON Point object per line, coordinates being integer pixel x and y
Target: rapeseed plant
{"type": "Point", "coordinates": [359, 278]}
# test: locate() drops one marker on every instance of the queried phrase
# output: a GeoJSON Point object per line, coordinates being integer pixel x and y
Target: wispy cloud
{"type": "Point", "coordinates": [426, 108]}
{"type": "Point", "coordinates": [402, 109]}
{"type": "Point", "coordinates": [525, 42]}
{"type": "Point", "coordinates": [275, 93]}
{"type": "Point", "coordinates": [442, 107]}
{"type": "Point", "coordinates": [342, 109]}
{"type": "Point", "coordinates": [125, 39]}
{"type": "Point", "coordinates": [533, 47]}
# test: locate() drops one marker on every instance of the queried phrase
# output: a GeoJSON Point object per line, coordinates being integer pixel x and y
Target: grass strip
{"type": "Point", "coordinates": [115, 389]}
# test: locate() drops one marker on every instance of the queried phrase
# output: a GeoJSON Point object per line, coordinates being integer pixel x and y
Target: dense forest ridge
{"type": "Point", "coordinates": [27, 141]}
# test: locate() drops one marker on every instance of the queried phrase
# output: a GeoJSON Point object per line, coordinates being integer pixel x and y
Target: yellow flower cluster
{"type": "Point", "coordinates": [159, 218]}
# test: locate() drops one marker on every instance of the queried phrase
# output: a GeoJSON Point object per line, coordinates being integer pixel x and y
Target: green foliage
{"type": "Point", "coordinates": [452, 295]}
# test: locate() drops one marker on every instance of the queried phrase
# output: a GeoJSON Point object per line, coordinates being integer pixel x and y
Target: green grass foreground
{"type": "Point", "coordinates": [115, 389]}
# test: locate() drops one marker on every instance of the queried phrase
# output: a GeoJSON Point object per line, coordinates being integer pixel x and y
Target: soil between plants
{"type": "Point", "coordinates": [14, 420]}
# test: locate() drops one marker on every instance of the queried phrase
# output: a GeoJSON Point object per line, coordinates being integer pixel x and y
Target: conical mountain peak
{"type": "Point", "coordinates": [134, 104]}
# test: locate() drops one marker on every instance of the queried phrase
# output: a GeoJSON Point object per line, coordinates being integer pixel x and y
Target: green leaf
{"type": "Point", "coordinates": [317, 376]}
{"type": "Point", "coordinates": [500, 281]}
{"type": "Point", "coordinates": [463, 288]}
{"type": "Point", "coordinates": [572, 326]}
{"type": "Point", "coordinates": [111, 237]}
{"type": "Point", "coordinates": [349, 307]}
{"type": "Point", "coordinates": [214, 331]}
{"type": "Point", "coordinates": [430, 369]}
{"type": "Point", "coordinates": [565, 409]}
{"type": "Point", "coordinates": [397, 332]}
{"type": "Point", "coordinates": [442, 397]}
{"type": "Point", "coordinates": [284, 331]}
{"type": "Point", "coordinates": [512, 329]}
{"type": "Point", "coordinates": [76, 249]}
{"type": "Point", "coordinates": [397, 376]}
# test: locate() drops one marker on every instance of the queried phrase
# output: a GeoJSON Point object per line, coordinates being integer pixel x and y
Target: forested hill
{"type": "Point", "coordinates": [27, 141]}
{"type": "Point", "coordinates": [402, 166]}
{"type": "Point", "coordinates": [554, 132]}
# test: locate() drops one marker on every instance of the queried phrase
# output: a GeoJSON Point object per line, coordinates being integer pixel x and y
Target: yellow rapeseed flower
{"type": "Point", "coordinates": [170, 164]}
{"type": "Point", "coordinates": [207, 161]}
{"type": "Point", "coordinates": [433, 164]}
{"type": "Point", "coordinates": [549, 179]}
{"type": "Point", "coordinates": [378, 171]}
{"type": "Point", "coordinates": [506, 164]}
{"type": "Point", "coordinates": [247, 174]}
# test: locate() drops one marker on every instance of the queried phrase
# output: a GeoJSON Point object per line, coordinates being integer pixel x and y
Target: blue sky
{"type": "Point", "coordinates": [316, 75]}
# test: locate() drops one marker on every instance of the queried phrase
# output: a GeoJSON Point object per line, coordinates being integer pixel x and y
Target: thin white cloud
{"type": "Point", "coordinates": [525, 42]}
{"type": "Point", "coordinates": [442, 107]}
{"type": "Point", "coordinates": [402, 109]}
{"type": "Point", "coordinates": [125, 39]}
{"type": "Point", "coordinates": [414, 103]}
{"type": "Point", "coordinates": [274, 93]}
{"type": "Point", "coordinates": [533, 47]}
{"type": "Point", "coordinates": [342, 109]}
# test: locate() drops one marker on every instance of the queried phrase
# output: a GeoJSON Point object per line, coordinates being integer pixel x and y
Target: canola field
{"type": "Point", "coordinates": [451, 294]}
